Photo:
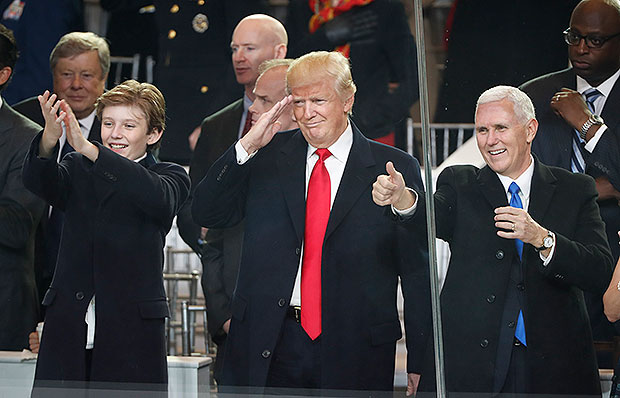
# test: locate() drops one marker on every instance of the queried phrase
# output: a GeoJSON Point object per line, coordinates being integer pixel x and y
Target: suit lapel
{"type": "Point", "coordinates": [491, 188]}
{"type": "Point", "coordinates": [95, 131]}
{"type": "Point", "coordinates": [542, 191]}
{"type": "Point", "coordinates": [612, 104]}
{"type": "Point", "coordinates": [291, 165]}
{"type": "Point", "coordinates": [6, 123]}
{"type": "Point", "coordinates": [358, 174]}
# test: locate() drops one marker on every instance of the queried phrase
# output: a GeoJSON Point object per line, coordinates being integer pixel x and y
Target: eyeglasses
{"type": "Point", "coordinates": [573, 39]}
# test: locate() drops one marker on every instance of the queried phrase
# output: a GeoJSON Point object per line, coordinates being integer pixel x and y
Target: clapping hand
{"type": "Point", "coordinates": [53, 123]}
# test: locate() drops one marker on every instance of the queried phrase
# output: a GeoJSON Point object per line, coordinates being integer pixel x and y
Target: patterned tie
{"type": "Point", "coordinates": [577, 161]}
{"type": "Point", "coordinates": [317, 214]}
{"type": "Point", "coordinates": [248, 123]}
{"type": "Point", "coordinates": [515, 201]}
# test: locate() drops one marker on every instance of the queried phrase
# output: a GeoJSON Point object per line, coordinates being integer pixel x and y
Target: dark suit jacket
{"type": "Point", "coordinates": [366, 249]}
{"type": "Point", "coordinates": [560, 356]}
{"type": "Point", "coordinates": [20, 212]}
{"type": "Point", "coordinates": [553, 146]}
{"type": "Point", "coordinates": [220, 257]}
{"type": "Point", "coordinates": [43, 264]}
{"type": "Point", "coordinates": [117, 215]}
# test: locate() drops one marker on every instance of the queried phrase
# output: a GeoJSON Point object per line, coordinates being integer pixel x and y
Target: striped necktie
{"type": "Point", "coordinates": [578, 163]}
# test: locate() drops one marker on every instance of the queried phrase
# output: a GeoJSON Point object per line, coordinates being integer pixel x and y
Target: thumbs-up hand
{"type": "Point", "coordinates": [390, 189]}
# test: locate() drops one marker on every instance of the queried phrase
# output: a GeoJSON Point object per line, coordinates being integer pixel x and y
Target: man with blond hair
{"type": "Point", "coordinates": [315, 301]}
{"type": "Point", "coordinates": [79, 62]}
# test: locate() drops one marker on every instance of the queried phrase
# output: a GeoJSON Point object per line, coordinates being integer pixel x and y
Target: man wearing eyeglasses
{"type": "Point", "coordinates": [579, 116]}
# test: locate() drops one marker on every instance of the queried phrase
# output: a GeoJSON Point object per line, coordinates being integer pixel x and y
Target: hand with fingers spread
{"type": "Point", "coordinates": [53, 123]}
{"type": "Point", "coordinates": [265, 127]}
{"type": "Point", "coordinates": [515, 223]}
{"type": "Point", "coordinates": [75, 138]}
{"type": "Point", "coordinates": [390, 190]}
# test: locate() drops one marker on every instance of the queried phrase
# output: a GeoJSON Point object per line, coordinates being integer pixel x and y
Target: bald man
{"type": "Point", "coordinates": [256, 38]}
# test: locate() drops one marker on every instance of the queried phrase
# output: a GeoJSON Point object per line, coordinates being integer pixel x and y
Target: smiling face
{"type": "Point", "coordinates": [595, 18]}
{"type": "Point", "coordinates": [320, 112]}
{"type": "Point", "coordinates": [79, 81]}
{"type": "Point", "coordinates": [124, 129]}
{"type": "Point", "coordinates": [503, 140]}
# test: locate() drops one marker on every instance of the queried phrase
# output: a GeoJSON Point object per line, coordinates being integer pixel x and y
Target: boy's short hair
{"type": "Point", "coordinates": [145, 96]}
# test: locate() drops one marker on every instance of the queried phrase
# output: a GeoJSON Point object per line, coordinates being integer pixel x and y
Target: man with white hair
{"type": "Point", "coordinates": [526, 241]}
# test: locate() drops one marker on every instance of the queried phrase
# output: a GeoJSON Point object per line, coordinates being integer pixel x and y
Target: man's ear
{"type": "Point", "coordinates": [5, 74]}
{"type": "Point", "coordinates": [154, 136]}
{"type": "Point", "coordinates": [280, 51]}
{"type": "Point", "coordinates": [348, 104]}
{"type": "Point", "coordinates": [531, 128]}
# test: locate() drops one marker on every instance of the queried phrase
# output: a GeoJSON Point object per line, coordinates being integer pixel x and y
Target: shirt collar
{"type": "Point", "coordinates": [88, 121]}
{"type": "Point", "coordinates": [339, 149]}
{"type": "Point", "coordinates": [604, 88]}
{"type": "Point", "coordinates": [524, 181]}
{"type": "Point", "coordinates": [141, 157]}
{"type": "Point", "coordinates": [247, 103]}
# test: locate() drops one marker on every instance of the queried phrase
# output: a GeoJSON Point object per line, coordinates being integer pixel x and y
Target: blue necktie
{"type": "Point", "coordinates": [515, 201]}
{"type": "Point", "coordinates": [578, 163]}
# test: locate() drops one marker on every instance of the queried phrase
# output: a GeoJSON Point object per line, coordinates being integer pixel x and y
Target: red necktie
{"type": "Point", "coordinates": [317, 214]}
{"type": "Point", "coordinates": [248, 123]}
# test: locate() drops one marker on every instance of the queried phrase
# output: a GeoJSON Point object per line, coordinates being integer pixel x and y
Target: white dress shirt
{"type": "Point", "coordinates": [599, 104]}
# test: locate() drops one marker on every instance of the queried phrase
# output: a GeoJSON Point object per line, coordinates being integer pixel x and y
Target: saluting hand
{"type": "Point", "coordinates": [265, 127]}
{"type": "Point", "coordinates": [390, 189]}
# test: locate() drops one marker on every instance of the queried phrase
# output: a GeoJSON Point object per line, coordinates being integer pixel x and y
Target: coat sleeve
{"type": "Point", "coordinates": [414, 277]}
{"type": "Point", "coordinates": [159, 190]}
{"type": "Point", "coordinates": [20, 210]}
{"type": "Point", "coordinates": [45, 177]}
{"type": "Point", "coordinates": [219, 199]}
{"type": "Point", "coordinates": [583, 260]}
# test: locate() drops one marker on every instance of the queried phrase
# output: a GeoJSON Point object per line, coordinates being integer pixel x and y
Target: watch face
{"type": "Point", "coordinates": [548, 242]}
{"type": "Point", "coordinates": [597, 119]}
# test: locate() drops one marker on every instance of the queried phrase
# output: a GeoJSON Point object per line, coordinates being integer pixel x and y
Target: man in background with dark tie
{"type": "Point", "coordinates": [315, 302]}
{"type": "Point", "coordinates": [578, 111]}
{"type": "Point", "coordinates": [80, 62]}
{"type": "Point", "coordinates": [526, 240]}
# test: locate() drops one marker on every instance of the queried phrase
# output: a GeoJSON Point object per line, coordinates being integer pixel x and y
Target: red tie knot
{"type": "Point", "coordinates": [323, 153]}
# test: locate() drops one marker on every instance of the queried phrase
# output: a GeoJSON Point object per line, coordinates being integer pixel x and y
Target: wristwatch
{"type": "Point", "coordinates": [547, 242]}
{"type": "Point", "coordinates": [592, 120]}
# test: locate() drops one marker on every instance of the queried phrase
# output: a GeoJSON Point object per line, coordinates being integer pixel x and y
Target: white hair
{"type": "Point", "coordinates": [522, 104]}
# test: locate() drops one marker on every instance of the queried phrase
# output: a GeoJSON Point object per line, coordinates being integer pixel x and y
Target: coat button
{"type": "Point", "coordinates": [511, 324]}
{"type": "Point", "coordinates": [79, 295]}
{"type": "Point", "coordinates": [484, 343]}
{"type": "Point", "coordinates": [281, 302]}
{"type": "Point", "coordinates": [521, 286]}
{"type": "Point", "coordinates": [297, 251]}
{"type": "Point", "coordinates": [266, 354]}
{"type": "Point", "coordinates": [499, 254]}
{"type": "Point", "coordinates": [491, 299]}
